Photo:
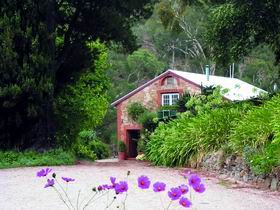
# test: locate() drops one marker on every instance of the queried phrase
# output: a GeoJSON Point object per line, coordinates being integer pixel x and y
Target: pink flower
{"type": "Point", "coordinates": [44, 172]}
{"type": "Point", "coordinates": [174, 193]}
{"type": "Point", "coordinates": [50, 183]}
{"type": "Point", "coordinates": [121, 187]}
{"type": "Point", "coordinates": [184, 189]}
{"type": "Point", "coordinates": [200, 188]}
{"type": "Point", "coordinates": [144, 182]}
{"type": "Point", "coordinates": [67, 179]}
{"type": "Point", "coordinates": [185, 202]}
{"type": "Point", "coordinates": [194, 180]}
{"type": "Point", "coordinates": [159, 186]}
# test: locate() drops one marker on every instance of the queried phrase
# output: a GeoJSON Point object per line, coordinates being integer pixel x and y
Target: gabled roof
{"type": "Point", "coordinates": [237, 90]}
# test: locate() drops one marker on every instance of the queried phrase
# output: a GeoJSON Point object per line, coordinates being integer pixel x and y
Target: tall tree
{"type": "Point", "coordinates": [43, 49]}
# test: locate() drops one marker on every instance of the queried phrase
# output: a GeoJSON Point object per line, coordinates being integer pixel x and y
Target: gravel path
{"type": "Point", "coordinates": [20, 189]}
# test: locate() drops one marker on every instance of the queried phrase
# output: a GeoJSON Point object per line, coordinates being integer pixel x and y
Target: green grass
{"type": "Point", "coordinates": [12, 159]}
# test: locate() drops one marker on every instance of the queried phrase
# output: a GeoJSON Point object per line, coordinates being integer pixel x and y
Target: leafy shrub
{"type": "Point", "coordinates": [121, 146]}
{"type": "Point", "coordinates": [213, 128]}
{"type": "Point", "coordinates": [198, 104]}
{"type": "Point", "coordinates": [135, 110]}
{"type": "Point", "coordinates": [174, 143]}
{"type": "Point", "coordinates": [141, 146]}
{"type": "Point", "coordinates": [148, 121]}
{"type": "Point", "coordinates": [258, 139]}
{"type": "Point", "coordinates": [84, 152]}
{"type": "Point", "coordinates": [255, 129]}
{"type": "Point", "coordinates": [263, 161]}
{"type": "Point", "coordinates": [99, 148]}
{"type": "Point", "coordinates": [88, 146]}
{"type": "Point", "coordinates": [10, 159]}
{"type": "Point", "coordinates": [181, 103]}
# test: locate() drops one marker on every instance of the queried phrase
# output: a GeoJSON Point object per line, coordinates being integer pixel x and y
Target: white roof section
{"type": "Point", "coordinates": [237, 90]}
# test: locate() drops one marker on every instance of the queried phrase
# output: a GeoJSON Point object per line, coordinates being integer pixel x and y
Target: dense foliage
{"type": "Point", "coordinates": [242, 129]}
{"type": "Point", "coordinates": [135, 110]}
{"type": "Point", "coordinates": [10, 159]}
{"type": "Point", "coordinates": [82, 105]}
{"type": "Point", "coordinates": [45, 58]}
{"type": "Point", "coordinates": [188, 136]}
{"type": "Point", "coordinates": [89, 146]}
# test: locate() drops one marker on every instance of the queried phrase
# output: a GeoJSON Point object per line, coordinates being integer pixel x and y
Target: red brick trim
{"type": "Point", "coordinates": [119, 121]}
{"type": "Point", "coordinates": [162, 80]}
{"type": "Point", "coordinates": [159, 92]}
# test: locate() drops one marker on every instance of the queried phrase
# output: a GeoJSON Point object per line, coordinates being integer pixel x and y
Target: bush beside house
{"type": "Point", "coordinates": [238, 130]}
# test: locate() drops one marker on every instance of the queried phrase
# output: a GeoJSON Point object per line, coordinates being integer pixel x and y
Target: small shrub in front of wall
{"type": "Point", "coordinates": [121, 146]}
{"type": "Point", "coordinates": [135, 110]}
{"type": "Point", "coordinates": [266, 159]}
{"type": "Point", "coordinates": [181, 103]}
{"type": "Point", "coordinates": [199, 104]}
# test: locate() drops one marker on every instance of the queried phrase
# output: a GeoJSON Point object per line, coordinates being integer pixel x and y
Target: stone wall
{"type": "Point", "coordinates": [150, 97]}
{"type": "Point", "coordinates": [234, 167]}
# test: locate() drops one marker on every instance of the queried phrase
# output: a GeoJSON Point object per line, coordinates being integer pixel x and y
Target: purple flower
{"type": "Point", "coordinates": [43, 172]}
{"type": "Point", "coordinates": [194, 180]}
{"type": "Point", "coordinates": [144, 182]}
{"type": "Point", "coordinates": [185, 202]}
{"type": "Point", "coordinates": [67, 179]}
{"type": "Point", "coordinates": [107, 187]}
{"type": "Point", "coordinates": [113, 180]}
{"type": "Point", "coordinates": [174, 193]}
{"type": "Point", "coordinates": [186, 173]}
{"type": "Point", "coordinates": [121, 187]}
{"type": "Point", "coordinates": [159, 186]}
{"type": "Point", "coordinates": [99, 188]}
{"type": "Point", "coordinates": [200, 188]}
{"type": "Point", "coordinates": [50, 183]}
{"type": "Point", "coordinates": [184, 189]}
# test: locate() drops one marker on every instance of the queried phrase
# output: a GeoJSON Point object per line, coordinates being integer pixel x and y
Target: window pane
{"type": "Point", "coordinates": [175, 98]}
{"type": "Point", "coordinates": [166, 100]}
{"type": "Point", "coordinates": [170, 81]}
{"type": "Point", "coordinates": [169, 99]}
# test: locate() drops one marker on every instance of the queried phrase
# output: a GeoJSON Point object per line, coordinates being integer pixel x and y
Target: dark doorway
{"type": "Point", "coordinates": [133, 138]}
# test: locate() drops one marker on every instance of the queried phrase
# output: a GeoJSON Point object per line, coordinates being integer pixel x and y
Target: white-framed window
{"type": "Point", "coordinates": [169, 99]}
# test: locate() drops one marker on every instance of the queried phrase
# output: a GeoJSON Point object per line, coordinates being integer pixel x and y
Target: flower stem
{"type": "Point", "coordinates": [61, 198]}
{"type": "Point", "coordinates": [77, 204]}
{"type": "Point", "coordinates": [89, 200]}
{"type": "Point", "coordinates": [124, 200]}
{"type": "Point", "coordinates": [110, 204]}
{"type": "Point", "coordinates": [65, 193]}
{"type": "Point", "coordinates": [161, 202]}
{"type": "Point", "coordinates": [169, 205]}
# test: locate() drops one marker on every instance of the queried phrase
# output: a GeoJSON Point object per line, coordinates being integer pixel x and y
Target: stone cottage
{"type": "Point", "coordinates": [166, 89]}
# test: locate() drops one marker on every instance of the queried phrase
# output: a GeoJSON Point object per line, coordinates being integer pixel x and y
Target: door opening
{"type": "Point", "coordinates": [133, 138]}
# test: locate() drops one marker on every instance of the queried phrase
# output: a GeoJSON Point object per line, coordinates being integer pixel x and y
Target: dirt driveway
{"type": "Point", "coordinates": [21, 189]}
